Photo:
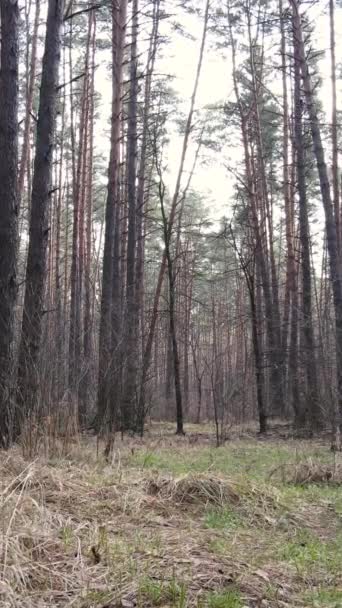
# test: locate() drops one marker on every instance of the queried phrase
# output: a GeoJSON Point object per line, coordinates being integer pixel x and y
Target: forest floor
{"type": "Point", "coordinates": [173, 522]}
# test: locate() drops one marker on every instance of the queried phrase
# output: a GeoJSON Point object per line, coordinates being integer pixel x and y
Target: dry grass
{"type": "Point", "coordinates": [194, 489]}
{"type": "Point", "coordinates": [51, 520]}
{"type": "Point", "coordinates": [256, 503]}
{"type": "Point", "coordinates": [81, 533]}
{"type": "Point", "coordinates": [310, 472]}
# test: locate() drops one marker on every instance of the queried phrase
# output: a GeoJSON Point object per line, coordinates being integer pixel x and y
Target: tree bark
{"type": "Point", "coordinates": [335, 274]}
{"type": "Point", "coordinates": [334, 135]}
{"type": "Point", "coordinates": [288, 203]}
{"type": "Point", "coordinates": [28, 370]}
{"type": "Point", "coordinates": [77, 263]}
{"type": "Point", "coordinates": [128, 409]}
{"type": "Point", "coordinates": [141, 188]}
{"type": "Point", "coordinates": [59, 328]}
{"type": "Point", "coordinates": [87, 324]}
{"type": "Point", "coordinates": [167, 233]}
{"type": "Point", "coordinates": [104, 404]}
{"type": "Point", "coordinates": [309, 413]}
{"type": "Point", "coordinates": [9, 15]}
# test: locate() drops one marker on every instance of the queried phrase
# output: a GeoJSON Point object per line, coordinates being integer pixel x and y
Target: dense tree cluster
{"type": "Point", "coordinates": [121, 297]}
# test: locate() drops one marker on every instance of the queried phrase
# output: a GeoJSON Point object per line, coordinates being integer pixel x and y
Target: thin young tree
{"type": "Point", "coordinates": [167, 237]}
{"type": "Point", "coordinates": [248, 269]}
{"type": "Point", "coordinates": [174, 205]}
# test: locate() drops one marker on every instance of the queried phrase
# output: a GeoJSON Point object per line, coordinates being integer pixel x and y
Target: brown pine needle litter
{"type": "Point", "coordinates": [84, 534]}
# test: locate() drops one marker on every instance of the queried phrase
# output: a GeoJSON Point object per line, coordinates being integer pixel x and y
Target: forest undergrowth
{"type": "Point", "coordinates": [173, 522]}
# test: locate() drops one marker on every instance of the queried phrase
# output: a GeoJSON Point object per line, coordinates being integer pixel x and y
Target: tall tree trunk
{"type": "Point", "coordinates": [28, 370]}
{"type": "Point", "coordinates": [290, 270]}
{"type": "Point", "coordinates": [59, 328]}
{"type": "Point", "coordinates": [188, 293]}
{"type": "Point", "coordinates": [167, 232]}
{"type": "Point", "coordinates": [259, 375]}
{"type": "Point", "coordinates": [249, 275]}
{"type": "Point", "coordinates": [87, 325]}
{"type": "Point", "coordinates": [335, 180]}
{"type": "Point", "coordinates": [104, 404]}
{"type": "Point", "coordinates": [262, 267]}
{"type": "Point", "coordinates": [115, 365]}
{"type": "Point", "coordinates": [277, 363]}
{"type": "Point", "coordinates": [142, 190]}
{"type": "Point", "coordinates": [169, 369]}
{"type": "Point", "coordinates": [9, 15]}
{"type": "Point", "coordinates": [198, 374]}
{"type": "Point", "coordinates": [308, 414]}
{"type": "Point", "coordinates": [272, 320]}
{"type": "Point", "coordinates": [76, 278]}
{"type": "Point", "coordinates": [335, 274]}
{"type": "Point", "coordinates": [128, 414]}
{"type": "Point", "coordinates": [293, 357]}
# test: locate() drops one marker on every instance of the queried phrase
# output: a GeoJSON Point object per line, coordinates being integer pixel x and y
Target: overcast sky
{"type": "Point", "coordinates": [180, 61]}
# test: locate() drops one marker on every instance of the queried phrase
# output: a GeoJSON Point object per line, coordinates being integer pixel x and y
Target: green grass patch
{"type": "Point", "coordinates": [157, 592]}
{"type": "Point", "coordinates": [313, 556]}
{"type": "Point", "coordinates": [324, 598]}
{"type": "Point", "coordinates": [219, 546]}
{"type": "Point", "coordinates": [66, 534]}
{"type": "Point", "coordinates": [254, 459]}
{"type": "Point", "coordinates": [96, 597]}
{"type": "Point", "coordinates": [227, 599]}
{"type": "Point", "coordinates": [312, 494]}
{"type": "Point", "coordinates": [222, 519]}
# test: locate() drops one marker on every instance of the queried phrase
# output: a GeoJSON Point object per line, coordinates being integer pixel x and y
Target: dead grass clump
{"type": "Point", "coordinates": [255, 504]}
{"type": "Point", "coordinates": [40, 480]}
{"type": "Point", "coordinates": [261, 504]}
{"type": "Point", "coordinates": [12, 464]}
{"type": "Point", "coordinates": [310, 472]}
{"type": "Point", "coordinates": [51, 433]}
{"type": "Point", "coordinates": [194, 489]}
{"type": "Point", "coordinates": [48, 524]}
